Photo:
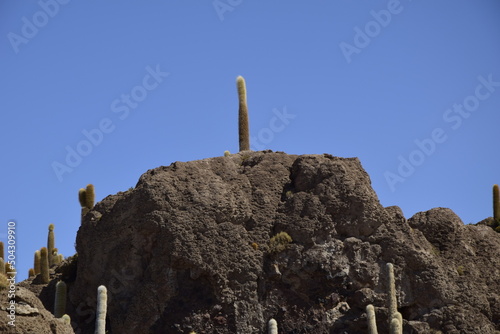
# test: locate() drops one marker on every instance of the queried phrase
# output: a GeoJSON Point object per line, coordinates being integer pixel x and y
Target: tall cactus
{"type": "Point", "coordinates": [391, 292]}
{"type": "Point", "coordinates": [36, 265]}
{"type": "Point", "coordinates": [50, 244]}
{"type": "Point", "coordinates": [44, 265]}
{"type": "Point", "coordinates": [89, 196]}
{"type": "Point", "coordinates": [60, 300]}
{"type": "Point", "coordinates": [272, 327]}
{"type": "Point", "coordinates": [243, 127]}
{"type": "Point", "coordinates": [102, 300]}
{"type": "Point", "coordinates": [496, 204]}
{"type": "Point", "coordinates": [372, 321]}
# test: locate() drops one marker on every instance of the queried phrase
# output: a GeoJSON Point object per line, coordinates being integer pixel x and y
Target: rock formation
{"type": "Point", "coordinates": [188, 249]}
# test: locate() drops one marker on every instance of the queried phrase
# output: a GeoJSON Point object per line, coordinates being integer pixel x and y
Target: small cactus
{"type": "Point", "coordinates": [2, 266]}
{"type": "Point", "coordinates": [9, 271]}
{"type": "Point", "coordinates": [496, 204]}
{"type": "Point", "coordinates": [89, 196]}
{"type": "Point", "coordinates": [372, 321]}
{"type": "Point", "coordinates": [37, 262]}
{"type": "Point", "coordinates": [396, 327]}
{"type": "Point", "coordinates": [272, 327]}
{"type": "Point", "coordinates": [60, 300]}
{"type": "Point", "coordinates": [243, 127]}
{"type": "Point", "coordinates": [4, 282]}
{"type": "Point", "coordinates": [31, 273]}
{"type": "Point", "coordinates": [44, 265]}
{"type": "Point", "coordinates": [50, 244]}
{"type": "Point", "coordinates": [279, 242]}
{"type": "Point", "coordinates": [81, 197]}
{"type": "Point", "coordinates": [1, 250]}
{"type": "Point", "coordinates": [227, 153]}
{"type": "Point", "coordinates": [66, 318]}
{"type": "Point", "coordinates": [102, 300]}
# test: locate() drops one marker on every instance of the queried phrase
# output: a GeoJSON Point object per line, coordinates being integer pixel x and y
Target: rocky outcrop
{"type": "Point", "coordinates": [28, 314]}
{"type": "Point", "coordinates": [188, 250]}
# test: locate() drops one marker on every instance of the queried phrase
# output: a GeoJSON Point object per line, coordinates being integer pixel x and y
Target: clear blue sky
{"type": "Point", "coordinates": [409, 85]}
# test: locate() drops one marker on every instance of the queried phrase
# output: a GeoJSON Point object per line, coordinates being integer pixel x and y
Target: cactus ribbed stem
{"type": "Point", "coordinates": [243, 127]}
{"type": "Point", "coordinates": [44, 265]}
{"type": "Point", "coordinates": [272, 327]}
{"type": "Point", "coordinates": [396, 327]}
{"type": "Point", "coordinates": [102, 300]}
{"type": "Point", "coordinates": [36, 266]}
{"type": "Point", "coordinates": [496, 203]}
{"type": "Point", "coordinates": [89, 196]}
{"type": "Point", "coordinates": [50, 244]}
{"type": "Point", "coordinates": [372, 321]}
{"type": "Point", "coordinates": [391, 292]}
{"type": "Point", "coordinates": [60, 300]}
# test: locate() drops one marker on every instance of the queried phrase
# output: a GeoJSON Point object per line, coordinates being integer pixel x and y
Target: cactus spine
{"type": "Point", "coordinates": [243, 127]}
{"type": "Point", "coordinates": [50, 244]}
{"type": "Point", "coordinates": [60, 301]}
{"type": "Point", "coordinates": [496, 204]}
{"type": "Point", "coordinates": [36, 266]}
{"type": "Point", "coordinates": [272, 327]}
{"type": "Point", "coordinates": [372, 321]}
{"type": "Point", "coordinates": [44, 265]}
{"type": "Point", "coordinates": [102, 300]}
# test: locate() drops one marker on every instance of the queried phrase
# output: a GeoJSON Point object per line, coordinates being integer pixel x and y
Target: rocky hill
{"type": "Point", "coordinates": [191, 248]}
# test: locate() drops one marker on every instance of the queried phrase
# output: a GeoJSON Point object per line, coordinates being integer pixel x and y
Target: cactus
{"type": "Point", "coordinates": [44, 265]}
{"type": "Point", "coordinates": [60, 300]}
{"type": "Point", "coordinates": [272, 327]}
{"type": "Point", "coordinates": [102, 299]}
{"type": "Point", "coordinates": [37, 262]}
{"type": "Point", "coordinates": [89, 196]}
{"type": "Point", "coordinates": [81, 197]}
{"type": "Point", "coordinates": [66, 318]}
{"type": "Point", "coordinates": [496, 204]}
{"type": "Point", "coordinates": [1, 250]}
{"type": "Point", "coordinates": [372, 321]}
{"type": "Point", "coordinates": [4, 282]}
{"type": "Point", "coordinates": [396, 327]}
{"type": "Point", "coordinates": [9, 271]}
{"type": "Point", "coordinates": [31, 273]}
{"type": "Point", "coordinates": [243, 127]}
{"type": "Point", "coordinates": [2, 266]}
{"type": "Point", "coordinates": [391, 292]}
{"type": "Point", "coordinates": [227, 153]}
{"type": "Point", "coordinates": [50, 244]}
{"type": "Point", "coordinates": [279, 242]}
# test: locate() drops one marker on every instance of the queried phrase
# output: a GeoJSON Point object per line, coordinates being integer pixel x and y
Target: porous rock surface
{"type": "Point", "coordinates": [188, 250]}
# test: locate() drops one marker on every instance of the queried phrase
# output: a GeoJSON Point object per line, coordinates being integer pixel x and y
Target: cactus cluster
{"type": "Point", "coordinates": [395, 318]}
{"type": "Point", "coordinates": [86, 197]}
{"type": "Point", "coordinates": [52, 258]}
